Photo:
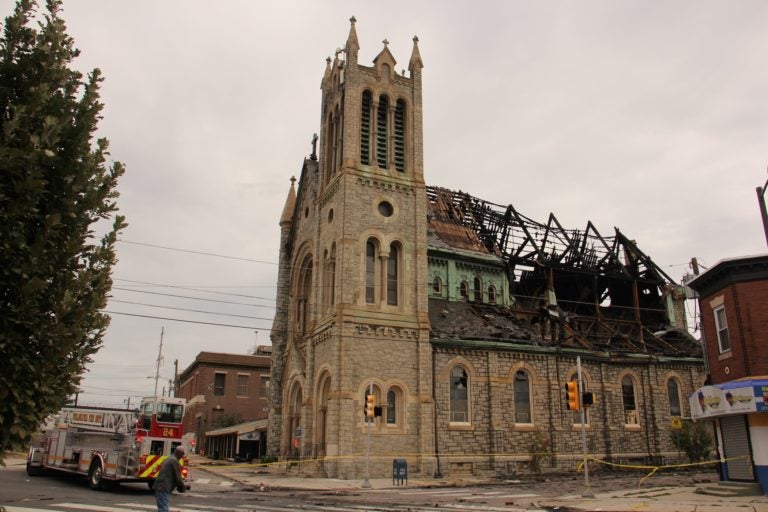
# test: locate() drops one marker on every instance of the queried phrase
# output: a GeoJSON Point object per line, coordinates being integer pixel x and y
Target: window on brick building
{"type": "Point", "coordinates": [371, 253]}
{"type": "Point", "coordinates": [219, 380]}
{"type": "Point", "coordinates": [393, 265]}
{"type": "Point", "coordinates": [522, 397]}
{"type": "Point", "coordinates": [242, 385]}
{"type": "Point", "coordinates": [393, 402]}
{"type": "Point", "coordinates": [629, 401]}
{"type": "Point", "coordinates": [304, 299]}
{"type": "Point", "coordinates": [382, 132]}
{"type": "Point", "coordinates": [464, 290]}
{"type": "Point", "coordinates": [437, 286]}
{"type": "Point", "coordinates": [399, 146]}
{"type": "Point", "coordinates": [263, 387]}
{"type": "Point", "coordinates": [459, 395]}
{"type": "Point", "coordinates": [365, 128]}
{"type": "Point", "coordinates": [492, 294]}
{"type": "Point", "coordinates": [721, 325]}
{"type": "Point", "coordinates": [217, 418]}
{"type": "Point", "coordinates": [477, 291]}
{"type": "Point", "coordinates": [673, 392]}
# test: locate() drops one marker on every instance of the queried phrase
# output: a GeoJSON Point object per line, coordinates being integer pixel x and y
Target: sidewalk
{"type": "Point", "coordinates": [647, 498]}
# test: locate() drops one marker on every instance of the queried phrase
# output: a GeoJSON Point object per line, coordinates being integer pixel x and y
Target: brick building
{"type": "Point", "coordinates": [221, 390]}
{"type": "Point", "coordinates": [463, 318]}
{"type": "Point", "coordinates": [734, 320]}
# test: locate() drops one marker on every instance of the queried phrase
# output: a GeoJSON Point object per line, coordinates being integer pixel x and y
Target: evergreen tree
{"type": "Point", "coordinates": [56, 192]}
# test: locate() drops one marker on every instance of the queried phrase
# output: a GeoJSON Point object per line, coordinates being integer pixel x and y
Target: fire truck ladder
{"type": "Point", "coordinates": [96, 419]}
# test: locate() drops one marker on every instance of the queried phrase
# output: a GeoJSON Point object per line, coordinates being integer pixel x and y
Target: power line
{"type": "Point", "coordinates": [186, 309]}
{"type": "Point", "coordinates": [198, 252]}
{"type": "Point", "coordinates": [182, 320]}
{"type": "Point", "coordinates": [195, 289]}
{"type": "Point", "coordinates": [190, 297]}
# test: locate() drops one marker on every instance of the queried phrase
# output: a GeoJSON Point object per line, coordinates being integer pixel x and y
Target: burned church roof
{"type": "Point", "coordinates": [568, 288]}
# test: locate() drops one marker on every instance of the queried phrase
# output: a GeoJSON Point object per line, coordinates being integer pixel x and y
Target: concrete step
{"type": "Point", "coordinates": [729, 488]}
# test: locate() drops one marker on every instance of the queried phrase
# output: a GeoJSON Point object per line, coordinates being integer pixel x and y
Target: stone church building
{"type": "Point", "coordinates": [463, 318]}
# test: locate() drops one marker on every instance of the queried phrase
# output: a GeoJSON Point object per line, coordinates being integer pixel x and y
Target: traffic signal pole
{"type": "Point", "coordinates": [369, 420]}
{"type": "Point", "coordinates": [587, 490]}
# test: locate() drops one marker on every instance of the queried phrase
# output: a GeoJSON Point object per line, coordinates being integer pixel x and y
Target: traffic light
{"type": "Point", "coordinates": [587, 399]}
{"type": "Point", "coordinates": [370, 405]}
{"type": "Point", "coordinates": [572, 401]}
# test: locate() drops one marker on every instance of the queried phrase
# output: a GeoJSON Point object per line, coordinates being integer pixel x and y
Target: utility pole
{"type": "Point", "coordinates": [587, 490]}
{"type": "Point", "coordinates": [763, 210]}
{"type": "Point", "coordinates": [369, 420]}
{"type": "Point", "coordinates": [159, 359]}
{"type": "Point", "coordinates": [175, 377]}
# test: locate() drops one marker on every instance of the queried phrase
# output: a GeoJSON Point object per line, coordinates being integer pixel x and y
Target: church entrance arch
{"type": "Point", "coordinates": [321, 414]}
{"type": "Point", "coordinates": [294, 436]}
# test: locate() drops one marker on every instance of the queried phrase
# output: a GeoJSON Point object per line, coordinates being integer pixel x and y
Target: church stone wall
{"type": "Point", "coordinates": [492, 441]}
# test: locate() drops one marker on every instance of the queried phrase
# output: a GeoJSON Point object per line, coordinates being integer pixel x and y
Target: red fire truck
{"type": "Point", "coordinates": [112, 445]}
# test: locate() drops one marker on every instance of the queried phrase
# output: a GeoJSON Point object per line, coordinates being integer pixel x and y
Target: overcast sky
{"type": "Point", "coordinates": [651, 116]}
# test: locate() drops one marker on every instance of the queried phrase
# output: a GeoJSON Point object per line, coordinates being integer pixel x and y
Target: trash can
{"type": "Point", "coordinates": [399, 472]}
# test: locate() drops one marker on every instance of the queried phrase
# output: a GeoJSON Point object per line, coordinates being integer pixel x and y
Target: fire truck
{"type": "Point", "coordinates": [112, 445]}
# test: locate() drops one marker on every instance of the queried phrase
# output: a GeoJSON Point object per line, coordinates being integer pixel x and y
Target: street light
{"type": "Point", "coordinates": [763, 210]}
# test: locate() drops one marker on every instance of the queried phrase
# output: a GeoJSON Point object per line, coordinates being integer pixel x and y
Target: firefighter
{"type": "Point", "coordinates": [169, 479]}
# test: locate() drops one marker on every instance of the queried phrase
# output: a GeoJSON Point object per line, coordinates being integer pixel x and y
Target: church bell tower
{"type": "Point", "coordinates": [354, 263]}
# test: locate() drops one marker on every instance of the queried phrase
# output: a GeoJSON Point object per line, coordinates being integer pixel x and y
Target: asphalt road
{"type": "Point", "coordinates": [211, 493]}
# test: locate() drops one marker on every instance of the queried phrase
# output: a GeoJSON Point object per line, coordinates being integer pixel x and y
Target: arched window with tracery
{"type": "Point", "coordinates": [365, 128]}
{"type": "Point", "coordinates": [437, 286]}
{"type": "Point", "coordinates": [382, 132]}
{"type": "Point", "coordinates": [393, 265]}
{"type": "Point", "coordinates": [329, 264]}
{"type": "Point", "coordinates": [492, 294]}
{"type": "Point", "coordinates": [673, 392]}
{"type": "Point", "coordinates": [459, 395]}
{"type": "Point", "coordinates": [400, 136]}
{"type": "Point", "coordinates": [477, 291]}
{"type": "Point", "coordinates": [464, 290]}
{"type": "Point", "coordinates": [304, 296]}
{"type": "Point", "coordinates": [392, 406]}
{"type": "Point", "coordinates": [629, 400]}
{"type": "Point", "coordinates": [371, 254]}
{"type": "Point", "coordinates": [522, 397]}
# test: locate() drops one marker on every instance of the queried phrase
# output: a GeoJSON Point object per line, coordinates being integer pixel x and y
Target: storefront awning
{"type": "Point", "coordinates": [240, 429]}
{"type": "Point", "coordinates": [742, 396]}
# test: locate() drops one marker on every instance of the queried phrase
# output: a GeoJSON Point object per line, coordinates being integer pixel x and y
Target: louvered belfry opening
{"type": "Point", "coordinates": [382, 132]}
{"type": "Point", "coordinates": [365, 129]}
{"type": "Point", "coordinates": [400, 136]}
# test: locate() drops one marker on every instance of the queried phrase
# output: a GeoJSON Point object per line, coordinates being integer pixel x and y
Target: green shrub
{"type": "Point", "coordinates": [694, 439]}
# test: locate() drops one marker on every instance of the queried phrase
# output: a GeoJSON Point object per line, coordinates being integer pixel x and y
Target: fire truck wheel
{"type": "Point", "coordinates": [34, 470]}
{"type": "Point", "coordinates": [96, 475]}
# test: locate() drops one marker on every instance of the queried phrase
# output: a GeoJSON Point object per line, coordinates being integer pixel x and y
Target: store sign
{"type": "Point", "coordinates": [735, 397]}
